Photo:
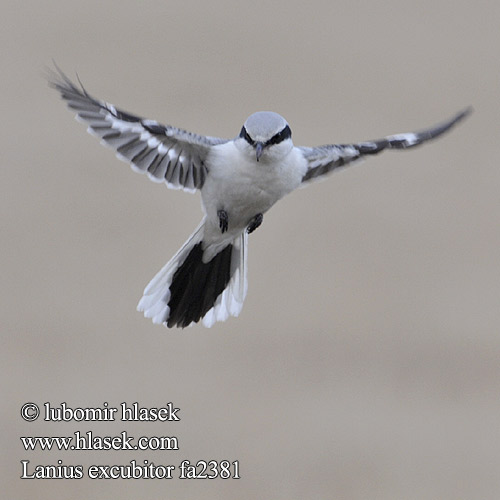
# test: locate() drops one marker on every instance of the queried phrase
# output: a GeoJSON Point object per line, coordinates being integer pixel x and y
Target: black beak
{"type": "Point", "coordinates": [259, 147]}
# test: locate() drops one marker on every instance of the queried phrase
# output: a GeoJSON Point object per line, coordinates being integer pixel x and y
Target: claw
{"type": "Point", "coordinates": [223, 220]}
{"type": "Point", "coordinates": [255, 223]}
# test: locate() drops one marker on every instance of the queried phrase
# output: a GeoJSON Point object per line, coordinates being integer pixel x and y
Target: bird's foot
{"type": "Point", "coordinates": [223, 220]}
{"type": "Point", "coordinates": [255, 223]}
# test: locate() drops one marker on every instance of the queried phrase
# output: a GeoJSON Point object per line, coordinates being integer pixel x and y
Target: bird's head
{"type": "Point", "coordinates": [265, 135]}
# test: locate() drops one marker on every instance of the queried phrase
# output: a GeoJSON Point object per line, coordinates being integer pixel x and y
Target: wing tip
{"type": "Point", "coordinates": [58, 80]}
{"type": "Point", "coordinates": [461, 115]}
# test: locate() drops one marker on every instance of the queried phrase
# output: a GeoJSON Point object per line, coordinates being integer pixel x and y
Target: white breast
{"type": "Point", "coordinates": [244, 187]}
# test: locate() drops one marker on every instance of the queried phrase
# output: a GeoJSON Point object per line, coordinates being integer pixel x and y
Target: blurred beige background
{"type": "Point", "coordinates": [366, 361]}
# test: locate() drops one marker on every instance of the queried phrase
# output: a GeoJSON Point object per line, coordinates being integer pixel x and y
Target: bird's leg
{"type": "Point", "coordinates": [255, 223]}
{"type": "Point", "coordinates": [223, 220]}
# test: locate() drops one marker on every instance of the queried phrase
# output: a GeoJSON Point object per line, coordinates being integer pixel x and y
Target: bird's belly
{"type": "Point", "coordinates": [243, 187]}
{"type": "Point", "coordinates": [251, 196]}
{"type": "Point", "coordinates": [241, 197]}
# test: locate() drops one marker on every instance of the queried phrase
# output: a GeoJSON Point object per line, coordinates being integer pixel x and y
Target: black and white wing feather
{"type": "Point", "coordinates": [166, 154]}
{"type": "Point", "coordinates": [324, 159]}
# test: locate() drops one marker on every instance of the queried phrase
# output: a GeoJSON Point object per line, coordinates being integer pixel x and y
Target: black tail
{"type": "Point", "coordinates": [196, 285]}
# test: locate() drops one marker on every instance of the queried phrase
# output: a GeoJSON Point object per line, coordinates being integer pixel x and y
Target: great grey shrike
{"type": "Point", "coordinates": [240, 179]}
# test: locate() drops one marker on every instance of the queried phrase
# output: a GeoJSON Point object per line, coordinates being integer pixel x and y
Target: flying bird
{"type": "Point", "coordinates": [239, 179]}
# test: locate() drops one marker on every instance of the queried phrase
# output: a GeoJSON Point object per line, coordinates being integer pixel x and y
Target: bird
{"type": "Point", "coordinates": [240, 179]}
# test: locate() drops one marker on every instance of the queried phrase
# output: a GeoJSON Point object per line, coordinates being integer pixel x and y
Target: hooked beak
{"type": "Point", "coordinates": [259, 147]}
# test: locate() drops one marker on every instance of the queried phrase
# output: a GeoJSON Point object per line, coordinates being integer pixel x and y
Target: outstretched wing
{"type": "Point", "coordinates": [166, 154]}
{"type": "Point", "coordinates": [324, 159]}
